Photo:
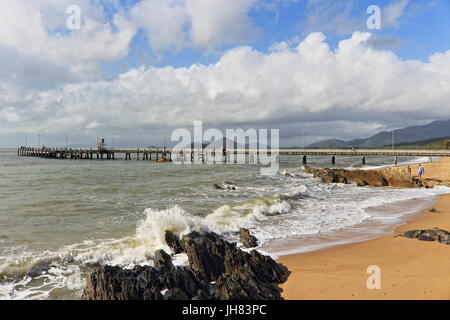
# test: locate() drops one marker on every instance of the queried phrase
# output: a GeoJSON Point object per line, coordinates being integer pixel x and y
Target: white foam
{"type": "Point", "coordinates": [415, 160]}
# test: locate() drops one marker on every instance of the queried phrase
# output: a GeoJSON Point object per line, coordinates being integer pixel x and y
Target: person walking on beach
{"type": "Point", "coordinates": [420, 171]}
{"type": "Point", "coordinates": [409, 170]}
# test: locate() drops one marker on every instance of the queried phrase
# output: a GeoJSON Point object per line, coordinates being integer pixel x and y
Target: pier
{"type": "Point", "coordinates": [204, 154]}
{"type": "Point", "coordinates": [93, 153]}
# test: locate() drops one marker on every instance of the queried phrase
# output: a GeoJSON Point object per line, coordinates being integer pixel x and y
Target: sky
{"type": "Point", "coordinates": [134, 71]}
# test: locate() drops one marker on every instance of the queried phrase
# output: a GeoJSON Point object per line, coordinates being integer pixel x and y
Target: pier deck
{"type": "Point", "coordinates": [146, 153]}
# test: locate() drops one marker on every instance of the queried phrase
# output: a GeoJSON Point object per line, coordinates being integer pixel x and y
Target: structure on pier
{"type": "Point", "coordinates": [101, 144]}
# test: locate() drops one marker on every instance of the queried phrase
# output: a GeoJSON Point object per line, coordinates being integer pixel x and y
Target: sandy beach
{"type": "Point", "coordinates": [410, 268]}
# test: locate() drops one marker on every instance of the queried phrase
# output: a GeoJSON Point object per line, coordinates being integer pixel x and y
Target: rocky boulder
{"type": "Point", "coordinates": [144, 283]}
{"type": "Point", "coordinates": [173, 241]}
{"type": "Point", "coordinates": [434, 234]}
{"type": "Point", "coordinates": [225, 186]}
{"type": "Point", "coordinates": [217, 270]}
{"type": "Point", "coordinates": [162, 260]}
{"type": "Point", "coordinates": [393, 177]}
{"type": "Point", "coordinates": [247, 239]}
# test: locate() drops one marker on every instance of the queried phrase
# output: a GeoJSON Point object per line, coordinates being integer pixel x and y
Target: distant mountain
{"type": "Point", "coordinates": [224, 143]}
{"type": "Point", "coordinates": [330, 144]}
{"type": "Point", "coordinates": [435, 129]}
{"type": "Point", "coordinates": [219, 143]}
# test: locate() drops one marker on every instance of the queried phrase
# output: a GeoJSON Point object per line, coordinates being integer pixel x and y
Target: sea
{"type": "Point", "coordinates": [59, 219]}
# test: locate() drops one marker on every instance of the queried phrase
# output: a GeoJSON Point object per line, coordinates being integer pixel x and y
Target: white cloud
{"type": "Point", "coordinates": [33, 30]}
{"type": "Point", "coordinates": [390, 15]}
{"type": "Point", "coordinates": [9, 115]}
{"type": "Point", "coordinates": [332, 16]}
{"type": "Point", "coordinates": [21, 27]}
{"type": "Point", "coordinates": [215, 22]}
{"type": "Point", "coordinates": [164, 21]}
{"type": "Point", "coordinates": [296, 83]}
{"type": "Point", "coordinates": [175, 24]}
{"type": "Point", "coordinates": [341, 18]}
{"type": "Point", "coordinates": [49, 80]}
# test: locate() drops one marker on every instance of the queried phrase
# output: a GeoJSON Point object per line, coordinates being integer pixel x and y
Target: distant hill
{"type": "Point", "coordinates": [433, 130]}
{"type": "Point", "coordinates": [224, 142]}
{"type": "Point", "coordinates": [438, 145]}
{"type": "Point", "coordinates": [422, 143]}
{"type": "Point", "coordinates": [215, 144]}
{"type": "Point", "coordinates": [330, 144]}
{"type": "Point", "coordinates": [429, 144]}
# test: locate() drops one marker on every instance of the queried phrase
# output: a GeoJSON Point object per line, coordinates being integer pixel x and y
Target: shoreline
{"type": "Point", "coordinates": [339, 271]}
{"type": "Point", "coordinates": [417, 160]}
{"type": "Point", "coordinates": [397, 213]}
{"type": "Point", "coordinates": [369, 229]}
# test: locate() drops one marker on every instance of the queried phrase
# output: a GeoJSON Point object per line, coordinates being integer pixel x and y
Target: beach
{"type": "Point", "coordinates": [410, 268]}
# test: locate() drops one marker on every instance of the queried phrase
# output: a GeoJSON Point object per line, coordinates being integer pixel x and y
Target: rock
{"type": "Point", "coordinates": [247, 239]}
{"type": "Point", "coordinates": [142, 283]}
{"type": "Point", "coordinates": [433, 210]}
{"type": "Point", "coordinates": [162, 260]}
{"type": "Point", "coordinates": [434, 234]}
{"type": "Point", "coordinates": [332, 177]}
{"type": "Point", "coordinates": [225, 186]}
{"type": "Point", "coordinates": [290, 175]}
{"type": "Point", "coordinates": [173, 241]}
{"type": "Point", "coordinates": [237, 275]}
{"type": "Point", "coordinates": [202, 295]}
{"type": "Point", "coordinates": [215, 185]}
{"type": "Point", "coordinates": [108, 283]}
{"type": "Point", "coordinates": [376, 178]}
{"type": "Point", "coordinates": [250, 277]}
{"type": "Point", "coordinates": [229, 185]}
{"type": "Point", "coordinates": [206, 253]}
{"type": "Point", "coordinates": [175, 294]}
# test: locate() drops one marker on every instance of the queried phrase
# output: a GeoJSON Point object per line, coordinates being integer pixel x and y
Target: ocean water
{"type": "Point", "coordinates": [60, 218]}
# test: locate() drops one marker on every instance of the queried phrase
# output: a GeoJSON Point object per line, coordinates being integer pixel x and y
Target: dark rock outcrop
{"type": "Point", "coordinates": [173, 242]}
{"type": "Point", "coordinates": [250, 277]}
{"type": "Point", "coordinates": [288, 174]}
{"type": "Point", "coordinates": [333, 177]}
{"type": "Point", "coordinates": [143, 283]}
{"type": "Point", "coordinates": [162, 260]}
{"type": "Point", "coordinates": [434, 210]}
{"type": "Point", "coordinates": [225, 186]}
{"type": "Point", "coordinates": [247, 239]}
{"type": "Point", "coordinates": [175, 294]}
{"type": "Point", "coordinates": [218, 187]}
{"type": "Point", "coordinates": [434, 234]}
{"type": "Point", "coordinates": [217, 270]}
{"type": "Point", "coordinates": [393, 177]}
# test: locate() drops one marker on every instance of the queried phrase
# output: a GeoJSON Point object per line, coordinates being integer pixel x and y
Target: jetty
{"type": "Point", "coordinates": [204, 154]}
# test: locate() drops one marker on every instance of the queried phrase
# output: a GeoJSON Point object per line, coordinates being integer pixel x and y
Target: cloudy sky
{"type": "Point", "coordinates": [135, 70]}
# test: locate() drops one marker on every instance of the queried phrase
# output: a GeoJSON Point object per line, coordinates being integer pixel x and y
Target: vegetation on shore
{"type": "Point", "coordinates": [429, 144]}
